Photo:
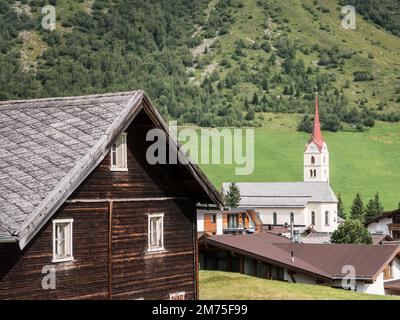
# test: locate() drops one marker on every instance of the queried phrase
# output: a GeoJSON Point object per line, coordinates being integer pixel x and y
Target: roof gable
{"type": "Point", "coordinates": [49, 146]}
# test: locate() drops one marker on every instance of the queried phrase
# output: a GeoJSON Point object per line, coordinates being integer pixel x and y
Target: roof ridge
{"type": "Point", "coordinates": [98, 95]}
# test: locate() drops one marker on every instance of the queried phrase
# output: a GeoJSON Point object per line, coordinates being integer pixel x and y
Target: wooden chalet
{"type": "Point", "coordinates": [83, 215]}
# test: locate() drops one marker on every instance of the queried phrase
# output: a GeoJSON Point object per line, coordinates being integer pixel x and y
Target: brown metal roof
{"type": "Point", "coordinates": [263, 246]}
{"type": "Point", "coordinates": [323, 260]}
{"type": "Point", "coordinates": [393, 285]}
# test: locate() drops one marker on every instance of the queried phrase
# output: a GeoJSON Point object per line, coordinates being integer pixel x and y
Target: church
{"type": "Point", "coordinates": [309, 204]}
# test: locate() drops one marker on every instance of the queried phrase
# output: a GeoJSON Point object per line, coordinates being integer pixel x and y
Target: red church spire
{"type": "Point", "coordinates": [316, 136]}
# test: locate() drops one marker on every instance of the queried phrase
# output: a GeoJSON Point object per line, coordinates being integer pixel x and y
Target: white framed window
{"type": "Point", "coordinates": [156, 232]}
{"type": "Point", "coordinates": [119, 161]}
{"type": "Point", "coordinates": [62, 240]}
{"type": "Point", "coordinates": [177, 296]}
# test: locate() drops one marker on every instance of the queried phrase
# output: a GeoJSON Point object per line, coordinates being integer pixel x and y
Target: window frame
{"type": "Point", "coordinates": [70, 240]}
{"type": "Point", "coordinates": [122, 152]}
{"type": "Point", "coordinates": [177, 294]}
{"type": "Point", "coordinates": [149, 217]}
{"type": "Point", "coordinates": [327, 218]}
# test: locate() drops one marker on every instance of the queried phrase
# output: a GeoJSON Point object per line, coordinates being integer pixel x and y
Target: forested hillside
{"type": "Point", "coordinates": [209, 62]}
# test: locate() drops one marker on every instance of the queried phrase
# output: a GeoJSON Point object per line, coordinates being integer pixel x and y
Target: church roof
{"type": "Point", "coordinates": [283, 194]}
{"type": "Point", "coordinates": [316, 135]}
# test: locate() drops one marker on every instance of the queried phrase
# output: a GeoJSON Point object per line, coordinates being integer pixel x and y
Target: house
{"type": "Point", "coordinates": [235, 221]}
{"type": "Point", "coordinates": [83, 214]}
{"type": "Point", "coordinates": [373, 269]}
{"type": "Point", "coordinates": [308, 203]}
{"type": "Point", "coordinates": [387, 223]}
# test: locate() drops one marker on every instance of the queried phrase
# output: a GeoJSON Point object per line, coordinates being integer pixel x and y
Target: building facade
{"type": "Point", "coordinates": [310, 203]}
{"type": "Point", "coordinates": [83, 214]}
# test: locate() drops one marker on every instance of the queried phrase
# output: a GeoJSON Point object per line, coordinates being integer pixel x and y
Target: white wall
{"type": "Point", "coordinates": [302, 216]}
{"type": "Point", "coordinates": [200, 221]}
{"type": "Point", "coordinates": [283, 215]}
{"type": "Point", "coordinates": [321, 164]}
{"type": "Point", "coordinates": [380, 226]}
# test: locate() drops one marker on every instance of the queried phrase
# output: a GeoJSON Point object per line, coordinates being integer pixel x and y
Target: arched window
{"type": "Point", "coordinates": [312, 160]}
{"type": "Point", "coordinates": [327, 218]}
{"type": "Point", "coordinates": [292, 217]}
{"type": "Point", "coordinates": [274, 218]}
{"type": "Point", "coordinates": [311, 173]}
{"type": "Point", "coordinates": [313, 218]}
{"type": "Point", "coordinates": [315, 173]}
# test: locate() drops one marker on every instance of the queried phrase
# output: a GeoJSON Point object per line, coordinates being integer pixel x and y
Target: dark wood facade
{"type": "Point", "coordinates": [110, 232]}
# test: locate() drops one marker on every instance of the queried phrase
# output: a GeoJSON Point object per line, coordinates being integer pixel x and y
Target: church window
{"type": "Point", "coordinates": [327, 218]}
{"type": "Point", "coordinates": [274, 218]}
{"type": "Point", "coordinates": [291, 217]}
{"type": "Point", "coordinates": [312, 160]}
{"type": "Point", "coordinates": [315, 173]}
{"type": "Point", "coordinates": [311, 173]}
{"type": "Point", "coordinates": [313, 218]}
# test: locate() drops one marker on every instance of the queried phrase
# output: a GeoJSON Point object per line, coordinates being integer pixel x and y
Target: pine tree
{"type": "Point", "coordinates": [255, 100]}
{"type": "Point", "coordinates": [232, 197]}
{"type": "Point", "coordinates": [374, 208]}
{"type": "Point", "coordinates": [340, 208]}
{"type": "Point", "coordinates": [357, 209]}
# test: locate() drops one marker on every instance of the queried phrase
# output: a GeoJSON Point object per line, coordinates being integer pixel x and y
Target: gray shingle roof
{"type": "Point", "coordinates": [41, 141]}
{"type": "Point", "coordinates": [283, 194]}
{"type": "Point", "coordinates": [49, 146]}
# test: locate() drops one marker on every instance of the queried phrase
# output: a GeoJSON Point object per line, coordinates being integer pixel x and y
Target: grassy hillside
{"type": "Point", "coordinates": [359, 162]}
{"type": "Point", "coordinates": [215, 285]}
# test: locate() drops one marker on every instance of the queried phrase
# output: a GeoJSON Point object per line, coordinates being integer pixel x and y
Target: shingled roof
{"type": "Point", "coordinates": [49, 146]}
{"type": "Point", "coordinates": [283, 194]}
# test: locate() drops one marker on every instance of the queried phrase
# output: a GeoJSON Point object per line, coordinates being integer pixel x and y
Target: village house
{"type": "Point", "coordinates": [83, 215]}
{"type": "Point", "coordinates": [374, 269]}
{"type": "Point", "coordinates": [309, 203]}
{"type": "Point", "coordinates": [235, 221]}
{"type": "Point", "coordinates": [387, 223]}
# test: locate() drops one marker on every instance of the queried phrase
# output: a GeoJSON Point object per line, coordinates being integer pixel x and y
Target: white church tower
{"type": "Point", "coordinates": [316, 155]}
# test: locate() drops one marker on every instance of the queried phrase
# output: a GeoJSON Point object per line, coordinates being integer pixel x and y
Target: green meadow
{"type": "Point", "coordinates": [364, 162]}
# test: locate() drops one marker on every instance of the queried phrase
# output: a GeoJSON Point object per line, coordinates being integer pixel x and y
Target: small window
{"type": "Point", "coordinates": [274, 218]}
{"type": "Point", "coordinates": [119, 160]}
{"type": "Point", "coordinates": [327, 218]}
{"type": "Point", "coordinates": [213, 218]}
{"type": "Point", "coordinates": [312, 160]}
{"type": "Point", "coordinates": [311, 173]}
{"type": "Point", "coordinates": [156, 232]}
{"type": "Point", "coordinates": [62, 240]}
{"type": "Point", "coordinates": [315, 173]}
{"type": "Point", "coordinates": [291, 217]}
{"type": "Point", "coordinates": [177, 296]}
{"type": "Point", "coordinates": [313, 218]}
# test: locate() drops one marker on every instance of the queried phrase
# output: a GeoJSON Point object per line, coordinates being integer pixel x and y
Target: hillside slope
{"type": "Point", "coordinates": [213, 63]}
{"type": "Point", "coordinates": [363, 163]}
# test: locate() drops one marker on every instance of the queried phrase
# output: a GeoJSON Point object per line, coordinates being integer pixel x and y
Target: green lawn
{"type": "Point", "coordinates": [364, 162]}
{"type": "Point", "coordinates": [216, 285]}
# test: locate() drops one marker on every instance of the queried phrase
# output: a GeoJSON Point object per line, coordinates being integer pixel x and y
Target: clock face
{"type": "Point", "coordinates": [313, 147]}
